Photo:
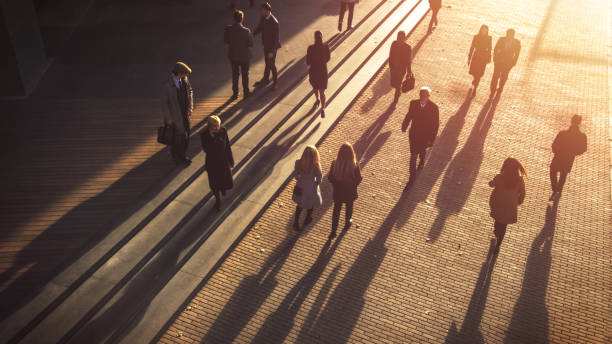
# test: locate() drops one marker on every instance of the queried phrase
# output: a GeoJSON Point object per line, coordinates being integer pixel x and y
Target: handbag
{"type": "Point", "coordinates": [408, 84]}
{"type": "Point", "coordinates": [165, 135]}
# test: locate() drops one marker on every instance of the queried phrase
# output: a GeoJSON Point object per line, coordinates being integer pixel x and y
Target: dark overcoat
{"type": "Point", "coordinates": [566, 146]}
{"type": "Point", "coordinates": [219, 159]}
{"type": "Point", "coordinates": [345, 191]}
{"type": "Point", "coordinates": [269, 33]}
{"type": "Point", "coordinates": [400, 58]}
{"type": "Point", "coordinates": [239, 41]}
{"type": "Point", "coordinates": [506, 52]}
{"type": "Point", "coordinates": [317, 57]}
{"type": "Point", "coordinates": [480, 54]}
{"type": "Point", "coordinates": [424, 123]}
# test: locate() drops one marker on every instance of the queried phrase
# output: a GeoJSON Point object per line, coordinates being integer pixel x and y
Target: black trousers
{"type": "Point", "coordinates": [179, 148]}
{"type": "Point", "coordinates": [499, 74]}
{"type": "Point", "coordinates": [343, 8]}
{"type": "Point", "coordinates": [557, 184]}
{"type": "Point", "coordinates": [240, 67]}
{"type": "Point", "coordinates": [413, 159]}
{"type": "Point", "coordinates": [336, 214]}
{"type": "Point", "coordinates": [499, 229]}
{"type": "Point", "coordinates": [270, 66]}
{"type": "Point", "coordinates": [181, 143]}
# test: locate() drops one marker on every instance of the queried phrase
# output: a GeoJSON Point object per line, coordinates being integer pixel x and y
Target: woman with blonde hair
{"type": "Point", "coordinates": [219, 158]}
{"type": "Point", "coordinates": [345, 176]}
{"type": "Point", "coordinates": [507, 195]}
{"type": "Point", "coordinates": [307, 193]}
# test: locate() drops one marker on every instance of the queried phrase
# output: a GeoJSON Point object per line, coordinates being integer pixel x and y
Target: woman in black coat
{"type": "Point", "coordinates": [479, 55]}
{"type": "Point", "coordinates": [219, 158]}
{"type": "Point", "coordinates": [317, 57]}
{"type": "Point", "coordinates": [400, 60]}
{"type": "Point", "coordinates": [345, 176]}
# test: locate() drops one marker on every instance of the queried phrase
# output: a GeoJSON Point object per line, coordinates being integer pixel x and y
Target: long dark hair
{"type": "Point", "coordinates": [345, 163]}
{"type": "Point", "coordinates": [318, 37]}
{"type": "Point", "coordinates": [512, 171]}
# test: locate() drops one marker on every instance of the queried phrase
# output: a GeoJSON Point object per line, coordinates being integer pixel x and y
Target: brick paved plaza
{"type": "Point", "coordinates": [101, 232]}
{"type": "Point", "coordinates": [415, 267]}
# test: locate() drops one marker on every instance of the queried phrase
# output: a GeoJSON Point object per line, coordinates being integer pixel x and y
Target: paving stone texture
{"type": "Point", "coordinates": [82, 148]}
{"type": "Point", "coordinates": [415, 267]}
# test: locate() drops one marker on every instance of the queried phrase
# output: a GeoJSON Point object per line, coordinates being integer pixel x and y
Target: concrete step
{"type": "Point", "coordinates": [160, 255]}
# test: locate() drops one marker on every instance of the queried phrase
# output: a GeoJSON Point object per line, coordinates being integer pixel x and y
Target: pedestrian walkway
{"type": "Point", "coordinates": [148, 240]}
{"type": "Point", "coordinates": [82, 148]}
{"type": "Point", "coordinates": [416, 265]}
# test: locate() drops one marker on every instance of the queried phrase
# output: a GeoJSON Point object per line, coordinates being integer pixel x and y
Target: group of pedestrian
{"type": "Point", "coordinates": [422, 120]}
{"type": "Point", "coordinates": [505, 55]}
{"type": "Point", "coordinates": [344, 175]}
{"type": "Point", "coordinates": [240, 42]}
{"type": "Point", "coordinates": [509, 184]}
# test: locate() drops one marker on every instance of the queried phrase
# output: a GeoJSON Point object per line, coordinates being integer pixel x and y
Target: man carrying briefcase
{"type": "Point", "coordinates": [177, 106]}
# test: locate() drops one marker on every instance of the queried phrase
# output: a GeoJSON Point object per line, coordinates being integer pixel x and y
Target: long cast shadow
{"type": "Point", "coordinates": [250, 295]}
{"type": "Point", "coordinates": [346, 302]}
{"type": "Point", "coordinates": [529, 323]}
{"type": "Point", "coordinates": [278, 324]}
{"type": "Point", "coordinates": [40, 271]}
{"type": "Point", "coordinates": [470, 332]}
{"type": "Point", "coordinates": [122, 315]}
{"type": "Point", "coordinates": [462, 171]}
{"type": "Point", "coordinates": [439, 157]}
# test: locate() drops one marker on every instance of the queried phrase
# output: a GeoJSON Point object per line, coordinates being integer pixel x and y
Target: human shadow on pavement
{"type": "Point", "coordinates": [123, 314]}
{"type": "Point", "coordinates": [123, 320]}
{"type": "Point", "coordinates": [530, 320]}
{"type": "Point", "coordinates": [157, 168]}
{"type": "Point", "coordinates": [462, 171]}
{"type": "Point", "coordinates": [278, 325]}
{"type": "Point", "coordinates": [250, 295]}
{"type": "Point", "coordinates": [470, 331]}
{"type": "Point", "coordinates": [343, 308]}
{"type": "Point", "coordinates": [438, 157]}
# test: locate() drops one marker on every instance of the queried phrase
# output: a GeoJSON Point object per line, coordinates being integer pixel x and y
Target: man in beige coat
{"type": "Point", "coordinates": [177, 106]}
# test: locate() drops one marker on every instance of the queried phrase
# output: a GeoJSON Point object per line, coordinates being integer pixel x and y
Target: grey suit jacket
{"type": "Point", "coordinates": [171, 109]}
{"type": "Point", "coordinates": [239, 40]}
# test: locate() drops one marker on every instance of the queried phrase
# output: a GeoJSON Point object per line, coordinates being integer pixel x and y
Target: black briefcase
{"type": "Point", "coordinates": [165, 135]}
{"type": "Point", "coordinates": [408, 84]}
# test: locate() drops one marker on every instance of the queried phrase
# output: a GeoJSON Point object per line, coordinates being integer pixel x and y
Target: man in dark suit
{"type": "Point", "coordinates": [566, 146]}
{"type": "Point", "coordinates": [424, 116]}
{"type": "Point", "coordinates": [239, 41]}
{"type": "Point", "coordinates": [400, 61]}
{"type": "Point", "coordinates": [177, 106]}
{"type": "Point", "coordinates": [505, 55]}
{"type": "Point", "coordinates": [268, 27]}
